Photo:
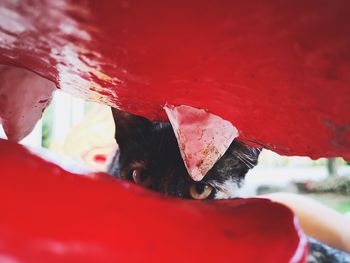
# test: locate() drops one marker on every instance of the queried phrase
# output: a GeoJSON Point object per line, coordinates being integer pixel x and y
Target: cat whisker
{"type": "Point", "coordinates": [249, 158]}
{"type": "Point", "coordinates": [228, 189]}
{"type": "Point", "coordinates": [216, 186]}
{"type": "Point", "coordinates": [246, 161]}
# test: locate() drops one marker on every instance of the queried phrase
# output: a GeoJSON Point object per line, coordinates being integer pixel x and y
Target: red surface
{"type": "Point", "coordinates": [278, 70]}
{"type": "Point", "coordinates": [49, 215]}
{"type": "Point", "coordinates": [21, 107]}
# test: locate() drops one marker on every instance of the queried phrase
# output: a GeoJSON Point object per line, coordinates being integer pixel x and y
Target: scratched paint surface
{"type": "Point", "coordinates": [202, 138]}
{"type": "Point", "coordinates": [278, 71]}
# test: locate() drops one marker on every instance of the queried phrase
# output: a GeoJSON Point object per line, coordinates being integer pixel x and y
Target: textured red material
{"type": "Point", "coordinates": [278, 70]}
{"type": "Point", "coordinates": [50, 215]}
{"type": "Point", "coordinates": [23, 98]}
{"type": "Point", "coordinates": [202, 137]}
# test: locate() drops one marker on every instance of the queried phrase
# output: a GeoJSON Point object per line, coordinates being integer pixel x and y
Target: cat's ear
{"type": "Point", "coordinates": [130, 128]}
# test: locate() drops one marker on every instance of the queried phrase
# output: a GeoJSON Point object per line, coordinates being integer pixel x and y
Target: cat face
{"type": "Point", "coordinates": [149, 155]}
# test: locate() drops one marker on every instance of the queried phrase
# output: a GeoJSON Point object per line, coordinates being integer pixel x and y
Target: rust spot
{"type": "Point", "coordinates": [43, 101]}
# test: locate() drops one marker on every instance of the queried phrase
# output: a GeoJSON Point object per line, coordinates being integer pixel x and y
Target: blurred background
{"type": "Point", "coordinates": [84, 131]}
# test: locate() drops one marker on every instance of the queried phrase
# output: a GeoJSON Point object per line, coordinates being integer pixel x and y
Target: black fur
{"type": "Point", "coordinates": [153, 147]}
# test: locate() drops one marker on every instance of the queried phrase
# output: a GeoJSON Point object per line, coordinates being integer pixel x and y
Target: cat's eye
{"type": "Point", "coordinates": [200, 191]}
{"type": "Point", "coordinates": [140, 177]}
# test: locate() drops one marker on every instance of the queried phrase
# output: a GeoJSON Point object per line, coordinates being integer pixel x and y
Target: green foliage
{"type": "Point", "coordinates": [47, 126]}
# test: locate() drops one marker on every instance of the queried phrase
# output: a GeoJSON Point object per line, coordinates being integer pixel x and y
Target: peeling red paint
{"type": "Point", "coordinates": [277, 70]}
{"type": "Point", "coordinates": [202, 137]}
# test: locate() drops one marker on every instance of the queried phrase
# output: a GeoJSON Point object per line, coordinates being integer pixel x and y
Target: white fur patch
{"type": "Point", "coordinates": [228, 189]}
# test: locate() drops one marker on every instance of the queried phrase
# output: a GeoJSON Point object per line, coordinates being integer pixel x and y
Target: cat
{"type": "Point", "coordinates": [148, 154]}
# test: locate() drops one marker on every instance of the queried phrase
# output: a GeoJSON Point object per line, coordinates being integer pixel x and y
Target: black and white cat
{"type": "Point", "coordinates": [149, 155]}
